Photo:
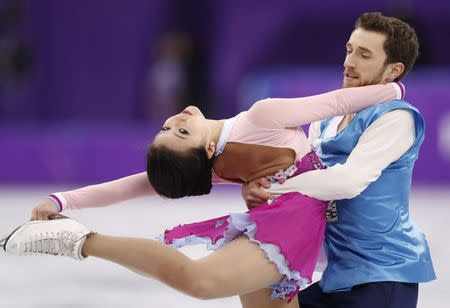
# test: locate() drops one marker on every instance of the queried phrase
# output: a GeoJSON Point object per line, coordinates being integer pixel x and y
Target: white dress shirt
{"type": "Point", "coordinates": [382, 143]}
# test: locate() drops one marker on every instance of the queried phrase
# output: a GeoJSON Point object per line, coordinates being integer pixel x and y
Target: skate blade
{"type": "Point", "coordinates": [3, 242]}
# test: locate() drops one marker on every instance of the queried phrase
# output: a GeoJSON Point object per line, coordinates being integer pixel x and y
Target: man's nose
{"type": "Point", "coordinates": [349, 61]}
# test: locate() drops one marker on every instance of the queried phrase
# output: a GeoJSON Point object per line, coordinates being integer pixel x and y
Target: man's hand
{"type": "Point", "coordinates": [254, 194]}
{"type": "Point", "coordinates": [44, 210]}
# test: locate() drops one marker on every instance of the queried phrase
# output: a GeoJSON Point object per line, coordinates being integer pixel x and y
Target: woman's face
{"type": "Point", "coordinates": [183, 131]}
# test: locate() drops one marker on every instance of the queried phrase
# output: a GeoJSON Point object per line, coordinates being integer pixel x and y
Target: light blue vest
{"type": "Point", "coordinates": [374, 238]}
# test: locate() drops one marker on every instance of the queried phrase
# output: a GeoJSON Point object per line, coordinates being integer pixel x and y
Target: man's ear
{"type": "Point", "coordinates": [396, 69]}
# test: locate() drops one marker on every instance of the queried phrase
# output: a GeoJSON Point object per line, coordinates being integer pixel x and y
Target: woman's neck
{"type": "Point", "coordinates": [215, 127]}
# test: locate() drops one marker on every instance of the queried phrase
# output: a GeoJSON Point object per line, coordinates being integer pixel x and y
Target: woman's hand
{"type": "Point", "coordinates": [44, 210]}
{"type": "Point", "coordinates": [254, 194]}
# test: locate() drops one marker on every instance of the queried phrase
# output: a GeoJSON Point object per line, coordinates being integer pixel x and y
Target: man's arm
{"type": "Point", "coordinates": [383, 142]}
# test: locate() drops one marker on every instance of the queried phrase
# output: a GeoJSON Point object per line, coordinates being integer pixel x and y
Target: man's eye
{"type": "Point", "coordinates": [183, 131]}
{"type": "Point", "coordinates": [165, 128]}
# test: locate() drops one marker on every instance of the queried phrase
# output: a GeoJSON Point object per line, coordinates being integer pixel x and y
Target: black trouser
{"type": "Point", "coordinates": [369, 295]}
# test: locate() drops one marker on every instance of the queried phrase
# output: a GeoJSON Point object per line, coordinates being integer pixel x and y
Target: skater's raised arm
{"type": "Point", "coordinates": [294, 112]}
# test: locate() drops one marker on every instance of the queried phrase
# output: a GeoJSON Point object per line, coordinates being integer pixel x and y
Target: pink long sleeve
{"type": "Point", "coordinates": [100, 195]}
{"type": "Point", "coordinates": [293, 112]}
{"type": "Point", "coordinates": [108, 193]}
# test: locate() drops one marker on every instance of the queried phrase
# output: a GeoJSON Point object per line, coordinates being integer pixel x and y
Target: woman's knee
{"type": "Point", "coordinates": [198, 281]}
{"type": "Point", "coordinates": [204, 288]}
{"type": "Point", "coordinates": [207, 282]}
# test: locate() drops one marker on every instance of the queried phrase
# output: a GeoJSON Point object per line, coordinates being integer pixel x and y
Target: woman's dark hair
{"type": "Point", "coordinates": [176, 175]}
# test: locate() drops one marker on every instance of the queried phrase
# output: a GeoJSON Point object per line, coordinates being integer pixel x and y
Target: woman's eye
{"type": "Point", "coordinates": [183, 131]}
{"type": "Point", "coordinates": [164, 128]}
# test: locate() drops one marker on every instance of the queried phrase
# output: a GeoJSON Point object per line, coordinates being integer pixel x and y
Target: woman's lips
{"type": "Point", "coordinates": [186, 111]}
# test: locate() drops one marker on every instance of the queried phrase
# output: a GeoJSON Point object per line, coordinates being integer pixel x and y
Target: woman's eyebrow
{"type": "Point", "coordinates": [180, 136]}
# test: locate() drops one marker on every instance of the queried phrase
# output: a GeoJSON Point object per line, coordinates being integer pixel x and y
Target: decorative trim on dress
{"type": "Point", "coordinates": [239, 224]}
{"type": "Point", "coordinates": [225, 134]}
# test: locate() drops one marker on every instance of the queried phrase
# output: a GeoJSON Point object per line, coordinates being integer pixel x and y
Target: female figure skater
{"type": "Point", "coordinates": [273, 246]}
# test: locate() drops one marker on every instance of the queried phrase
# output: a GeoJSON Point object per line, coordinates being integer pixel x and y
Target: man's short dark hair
{"type": "Point", "coordinates": [401, 43]}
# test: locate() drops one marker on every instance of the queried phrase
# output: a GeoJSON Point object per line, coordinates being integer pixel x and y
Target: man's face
{"type": "Point", "coordinates": [365, 60]}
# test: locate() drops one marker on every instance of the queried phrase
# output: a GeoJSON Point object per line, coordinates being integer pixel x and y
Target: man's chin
{"type": "Point", "coordinates": [351, 84]}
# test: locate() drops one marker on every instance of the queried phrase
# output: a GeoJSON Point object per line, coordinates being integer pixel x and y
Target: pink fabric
{"type": "Point", "coordinates": [105, 194]}
{"type": "Point", "coordinates": [295, 223]}
{"type": "Point", "coordinates": [212, 229]}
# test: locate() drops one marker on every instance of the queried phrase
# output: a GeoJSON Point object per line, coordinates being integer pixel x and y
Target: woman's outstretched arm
{"type": "Point", "coordinates": [98, 195]}
{"type": "Point", "coordinates": [130, 187]}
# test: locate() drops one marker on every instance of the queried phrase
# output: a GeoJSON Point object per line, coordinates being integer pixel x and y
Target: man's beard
{"type": "Point", "coordinates": [376, 80]}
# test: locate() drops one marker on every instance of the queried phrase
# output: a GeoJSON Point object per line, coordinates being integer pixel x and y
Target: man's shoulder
{"type": "Point", "coordinates": [399, 111]}
{"type": "Point", "coordinates": [380, 109]}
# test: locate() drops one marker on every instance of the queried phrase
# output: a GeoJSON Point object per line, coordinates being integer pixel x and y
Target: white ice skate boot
{"type": "Point", "coordinates": [61, 236]}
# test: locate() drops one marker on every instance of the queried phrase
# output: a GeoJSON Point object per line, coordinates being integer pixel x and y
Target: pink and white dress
{"type": "Point", "coordinates": [289, 229]}
{"type": "Point", "coordinates": [277, 226]}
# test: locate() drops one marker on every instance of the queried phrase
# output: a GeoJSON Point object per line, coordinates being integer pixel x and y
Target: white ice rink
{"type": "Point", "coordinates": [47, 282]}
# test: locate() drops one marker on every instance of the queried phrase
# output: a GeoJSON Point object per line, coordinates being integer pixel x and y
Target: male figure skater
{"type": "Point", "coordinates": [376, 254]}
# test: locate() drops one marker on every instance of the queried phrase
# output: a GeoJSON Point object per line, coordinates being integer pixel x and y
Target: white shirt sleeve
{"type": "Point", "coordinates": [382, 143]}
{"type": "Point", "coordinates": [314, 131]}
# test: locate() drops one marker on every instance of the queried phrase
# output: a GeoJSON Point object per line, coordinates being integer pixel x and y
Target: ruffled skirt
{"type": "Point", "coordinates": [289, 229]}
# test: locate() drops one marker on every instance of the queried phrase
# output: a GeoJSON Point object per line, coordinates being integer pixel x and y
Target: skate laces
{"type": "Point", "coordinates": [53, 243]}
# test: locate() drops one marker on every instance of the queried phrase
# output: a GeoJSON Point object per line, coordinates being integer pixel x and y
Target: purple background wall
{"type": "Point", "coordinates": [79, 117]}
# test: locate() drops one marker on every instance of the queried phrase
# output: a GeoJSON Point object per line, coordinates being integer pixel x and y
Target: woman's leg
{"type": "Point", "coordinates": [240, 267]}
{"type": "Point", "coordinates": [261, 299]}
